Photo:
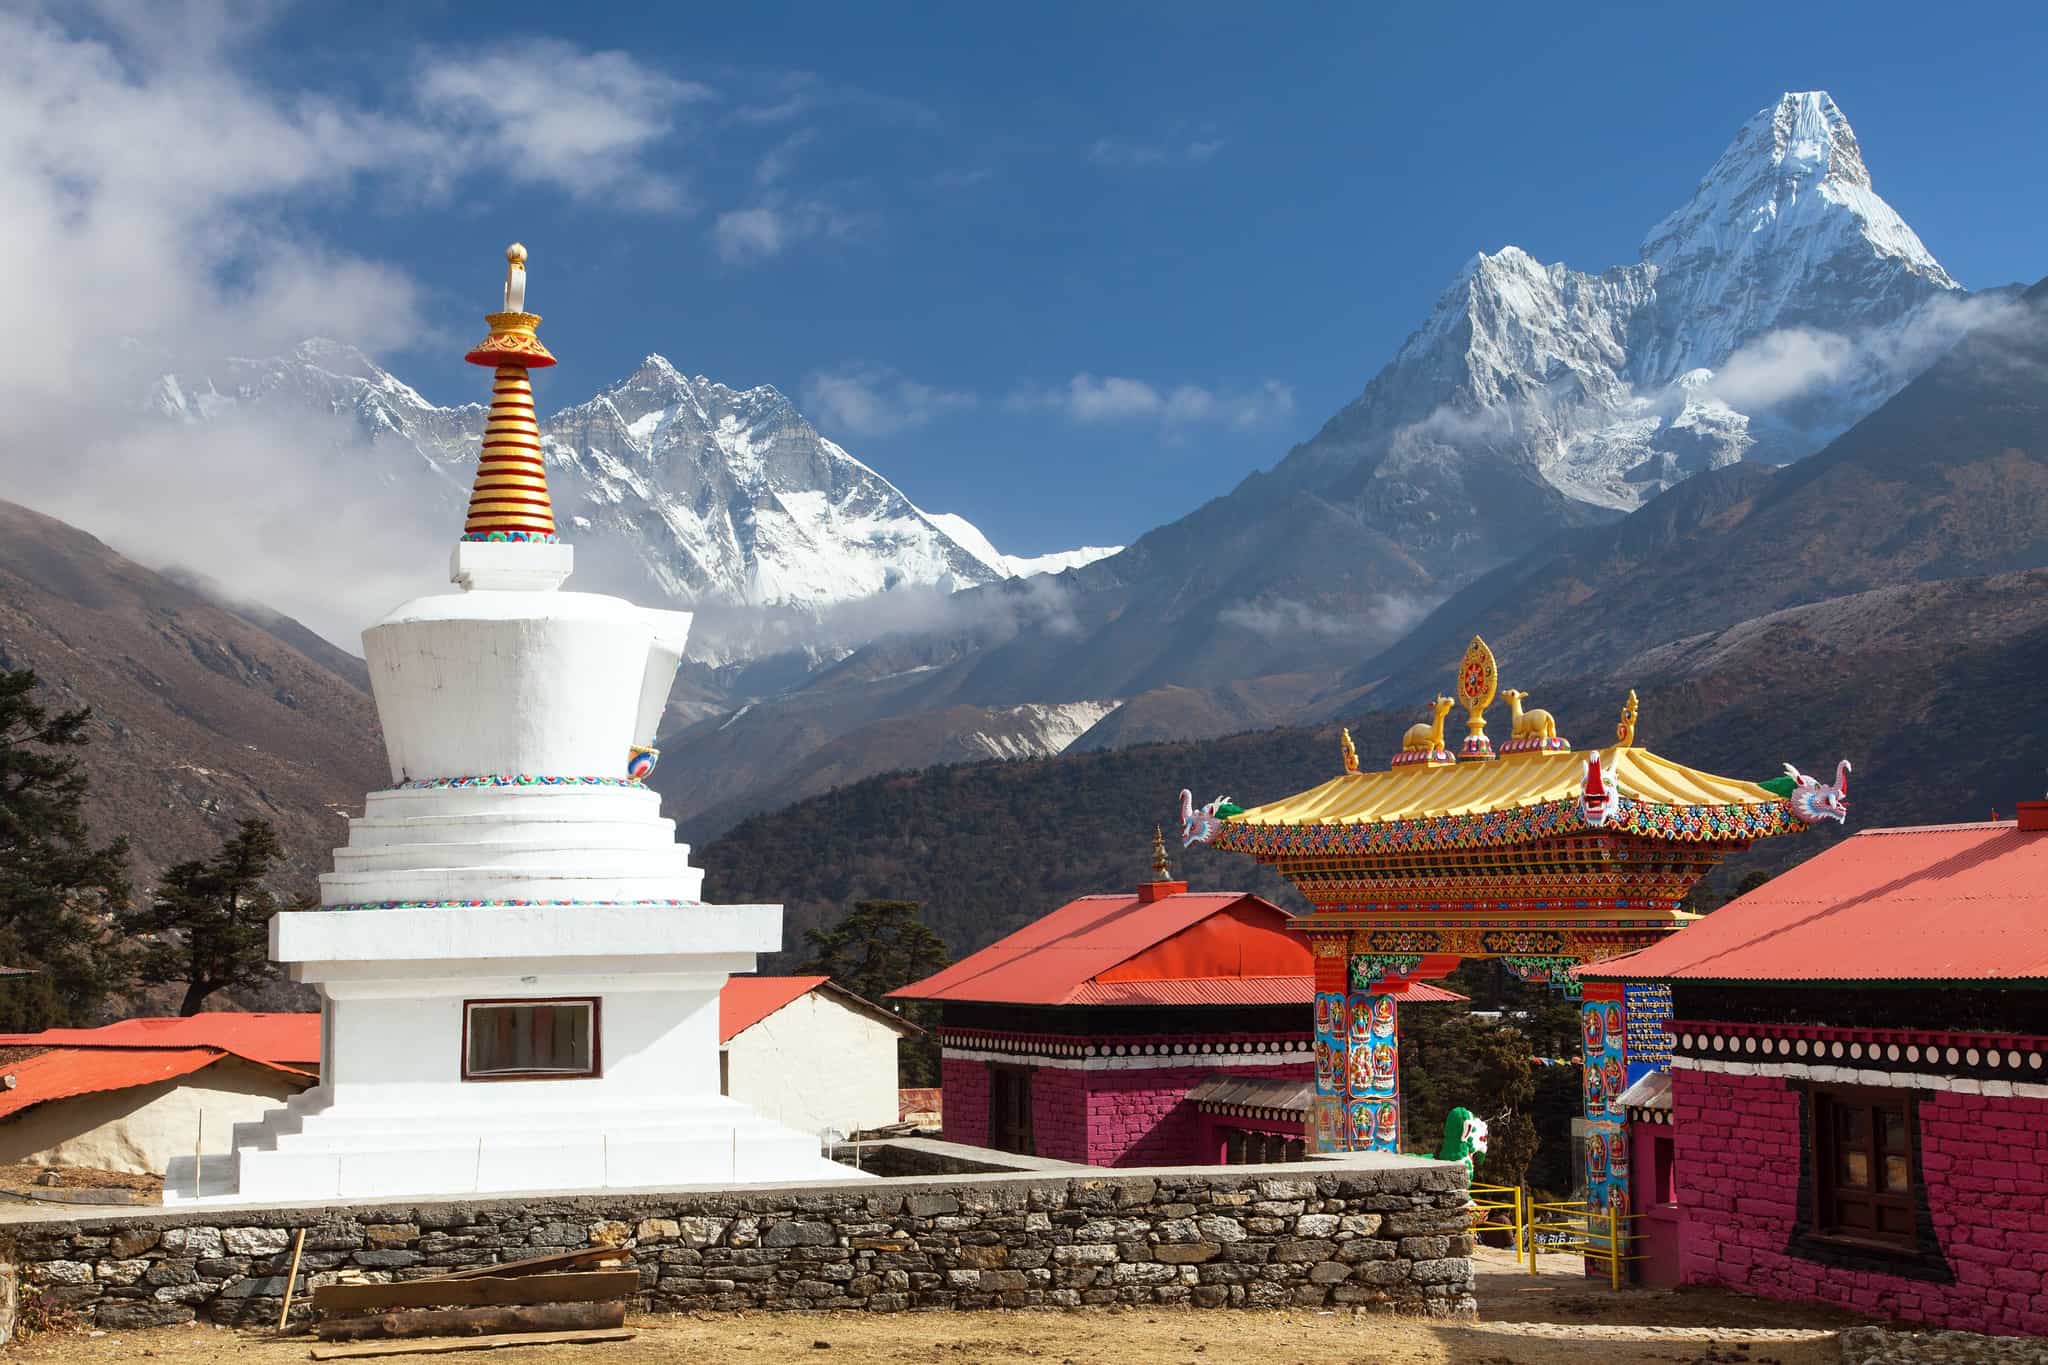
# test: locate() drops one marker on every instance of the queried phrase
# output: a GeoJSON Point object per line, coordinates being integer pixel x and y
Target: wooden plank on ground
{"type": "Point", "coordinates": [585, 1286]}
{"type": "Point", "coordinates": [552, 1261]}
{"type": "Point", "coordinates": [474, 1322]}
{"type": "Point", "coordinates": [362, 1349]}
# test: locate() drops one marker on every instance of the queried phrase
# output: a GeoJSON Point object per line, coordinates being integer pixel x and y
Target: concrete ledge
{"type": "Point", "coordinates": [1385, 1233]}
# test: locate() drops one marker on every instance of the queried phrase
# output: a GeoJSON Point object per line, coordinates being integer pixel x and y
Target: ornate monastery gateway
{"type": "Point", "coordinates": [1534, 853]}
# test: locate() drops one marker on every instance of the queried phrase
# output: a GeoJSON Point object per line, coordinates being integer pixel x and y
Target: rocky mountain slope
{"type": "Point", "coordinates": [1948, 480]}
{"type": "Point", "coordinates": [669, 485]}
{"type": "Point", "coordinates": [201, 716]}
{"type": "Point", "coordinates": [1916, 685]}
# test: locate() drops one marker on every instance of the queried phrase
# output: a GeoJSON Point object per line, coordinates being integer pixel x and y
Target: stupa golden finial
{"type": "Point", "coordinates": [509, 500]}
{"type": "Point", "coordinates": [1625, 732]}
{"type": "Point", "coordinates": [1160, 871]}
{"type": "Point", "coordinates": [1478, 677]}
{"type": "Point", "coordinates": [1350, 750]}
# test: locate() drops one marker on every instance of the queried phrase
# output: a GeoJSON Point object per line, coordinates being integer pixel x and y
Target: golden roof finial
{"type": "Point", "coordinates": [1478, 676]}
{"type": "Point", "coordinates": [1625, 732]}
{"type": "Point", "coordinates": [1350, 751]}
{"type": "Point", "coordinates": [1160, 871]}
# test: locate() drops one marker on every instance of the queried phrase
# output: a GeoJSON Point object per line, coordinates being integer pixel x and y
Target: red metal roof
{"type": "Point", "coordinates": [1227, 990]}
{"type": "Point", "coordinates": [63, 1072]}
{"type": "Point", "coordinates": [1192, 948]}
{"type": "Point", "coordinates": [1925, 903]}
{"type": "Point", "coordinates": [272, 1038]}
{"type": "Point", "coordinates": [747, 1000]}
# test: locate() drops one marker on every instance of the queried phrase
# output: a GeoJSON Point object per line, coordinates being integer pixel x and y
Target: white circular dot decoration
{"type": "Point", "coordinates": [1835, 1049]}
{"type": "Point", "coordinates": [1856, 1050]}
{"type": "Point", "coordinates": [1719, 1042]}
{"type": "Point", "coordinates": [1891, 1052]}
{"type": "Point", "coordinates": [2012, 1059]}
{"type": "Point", "coordinates": [1913, 1054]}
{"type": "Point", "coordinates": [2034, 1061]}
{"type": "Point", "coordinates": [1971, 1056]}
{"type": "Point", "coordinates": [1950, 1055]}
{"type": "Point", "coordinates": [1749, 1044]}
{"type": "Point", "coordinates": [1685, 1039]}
{"type": "Point", "coordinates": [1800, 1047]}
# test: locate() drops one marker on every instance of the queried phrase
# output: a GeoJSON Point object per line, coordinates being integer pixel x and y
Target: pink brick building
{"type": "Point", "coordinates": [1081, 1036]}
{"type": "Point", "coordinates": [1858, 1106]}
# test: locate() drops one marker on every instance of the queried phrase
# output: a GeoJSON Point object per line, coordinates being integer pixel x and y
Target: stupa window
{"type": "Point", "coordinates": [529, 1039]}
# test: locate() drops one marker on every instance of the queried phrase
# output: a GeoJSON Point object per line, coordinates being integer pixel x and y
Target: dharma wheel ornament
{"type": "Point", "coordinates": [1477, 678]}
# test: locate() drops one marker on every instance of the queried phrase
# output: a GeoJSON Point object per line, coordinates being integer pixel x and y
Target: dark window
{"type": "Point", "coordinates": [1009, 1119]}
{"type": "Point", "coordinates": [724, 1072]}
{"type": "Point", "coordinates": [1662, 1188]}
{"type": "Point", "coordinates": [1234, 1148]}
{"type": "Point", "coordinates": [1863, 1176]}
{"type": "Point", "coordinates": [529, 1039]}
{"type": "Point", "coordinates": [1297, 1150]}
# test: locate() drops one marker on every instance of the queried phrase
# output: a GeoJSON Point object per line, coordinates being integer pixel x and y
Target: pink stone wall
{"type": "Point", "coordinates": [964, 1113]}
{"type": "Point", "coordinates": [1059, 1113]}
{"type": "Point", "coordinates": [1142, 1118]}
{"type": "Point", "coordinates": [1985, 1163]}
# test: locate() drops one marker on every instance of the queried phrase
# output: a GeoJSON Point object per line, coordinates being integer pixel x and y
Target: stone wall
{"type": "Point", "coordinates": [1342, 1233]}
{"type": "Point", "coordinates": [1984, 1165]}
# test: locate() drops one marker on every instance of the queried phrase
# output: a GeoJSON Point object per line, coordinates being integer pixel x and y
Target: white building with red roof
{"type": "Point", "coordinates": [808, 1053]}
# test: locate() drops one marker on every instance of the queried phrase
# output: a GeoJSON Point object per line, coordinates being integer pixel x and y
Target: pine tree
{"type": "Point", "coordinates": [57, 890]}
{"type": "Point", "coordinates": [879, 946]}
{"type": "Point", "coordinates": [207, 927]}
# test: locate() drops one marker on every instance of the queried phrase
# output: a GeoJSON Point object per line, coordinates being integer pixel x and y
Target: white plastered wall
{"type": "Point", "coordinates": [816, 1064]}
{"type": "Point", "coordinates": [137, 1130]}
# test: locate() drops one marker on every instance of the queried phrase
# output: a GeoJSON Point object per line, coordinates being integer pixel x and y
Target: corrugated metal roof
{"type": "Point", "coordinates": [1214, 990]}
{"type": "Point", "coordinates": [1255, 1093]}
{"type": "Point", "coordinates": [64, 1072]}
{"type": "Point", "coordinates": [273, 1038]}
{"type": "Point", "coordinates": [1923, 903]}
{"type": "Point", "coordinates": [1653, 1091]}
{"type": "Point", "coordinates": [747, 1000]}
{"type": "Point", "coordinates": [1048, 960]}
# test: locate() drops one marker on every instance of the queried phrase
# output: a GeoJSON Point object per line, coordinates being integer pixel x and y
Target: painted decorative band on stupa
{"type": "Point", "coordinates": [514, 780]}
{"type": "Point", "coordinates": [509, 905]}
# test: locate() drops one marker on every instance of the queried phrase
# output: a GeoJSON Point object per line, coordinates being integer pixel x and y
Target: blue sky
{"type": "Point", "coordinates": [1072, 270]}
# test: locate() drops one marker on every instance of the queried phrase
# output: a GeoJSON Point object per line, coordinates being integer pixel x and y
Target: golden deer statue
{"type": "Point", "coordinates": [1430, 737]}
{"type": "Point", "coordinates": [1536, 724]}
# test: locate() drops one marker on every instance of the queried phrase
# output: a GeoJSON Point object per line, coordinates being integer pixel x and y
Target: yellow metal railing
{"type": "Point", "coordinates": [1601, 1235]}
{"type": "Point", "coordinates": [1502, 1208]}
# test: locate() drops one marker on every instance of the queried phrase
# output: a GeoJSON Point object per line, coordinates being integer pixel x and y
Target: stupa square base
{"type": "Point", "coordinates": [404, 1107]}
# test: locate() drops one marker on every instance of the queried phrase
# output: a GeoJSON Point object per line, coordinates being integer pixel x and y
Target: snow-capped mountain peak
{"type": "Point", "coordinates": [1611, 387]}
{"type": "Point", "coordinates": [713, 495]}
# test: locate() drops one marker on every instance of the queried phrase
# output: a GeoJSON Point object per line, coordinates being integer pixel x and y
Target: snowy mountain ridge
{"type": "Point", "coordinates": [706, 493]}
{"type": "Point", "coordinates": [1779, 304]}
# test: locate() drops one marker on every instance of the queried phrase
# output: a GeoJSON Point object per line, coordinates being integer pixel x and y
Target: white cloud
{"type": "Point", "coordinates": [749, 235]}
{"type": "Point", "coordinates": [1089, 398]}
{"type": "Point", "coordinates": [868, 402]}
{"type": "Point", "coordinates": [1792, 362]}
{"type": "Point", "coordinates": [1117, 151]}
{"type": "Point", "coordinates": [165, 209]}
{"type": "Point", "coordinates": [963, 179]}
{"type": "Point", "coordinates": [548, 113]}
{"type": "Point", "coordinates": [775, 165]}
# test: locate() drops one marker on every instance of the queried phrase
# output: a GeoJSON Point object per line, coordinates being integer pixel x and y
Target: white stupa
{"type": "Point", "coordinates": [519, 984]}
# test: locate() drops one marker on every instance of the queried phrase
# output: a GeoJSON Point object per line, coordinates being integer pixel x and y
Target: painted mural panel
{"type": "Point", "coordinates": [1374, 1074]}
{"type": "Point", "coordinates": [1605, 1029]}
{"type": "Point", "coordinates": [1329, 1117]}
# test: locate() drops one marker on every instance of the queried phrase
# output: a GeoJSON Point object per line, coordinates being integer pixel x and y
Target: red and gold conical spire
{"type": "Point", "coordinates": [510, 498]}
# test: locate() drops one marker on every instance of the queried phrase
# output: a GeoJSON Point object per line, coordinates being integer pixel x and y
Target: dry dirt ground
{"type": "Point", "coordinates": [1554, 1319]}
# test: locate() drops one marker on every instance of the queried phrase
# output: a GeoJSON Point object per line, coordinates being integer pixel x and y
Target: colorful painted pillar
{"type": "Point", "coordinates": [1357, 1106]}
{"type": "Point", "coordinates": [1626, 1033]}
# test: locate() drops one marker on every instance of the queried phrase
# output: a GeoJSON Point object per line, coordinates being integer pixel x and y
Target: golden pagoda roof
{"type": "Point", "coordinates": [1475, 788]}
{"type": "Point", "coordinates": [1535, 786]}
